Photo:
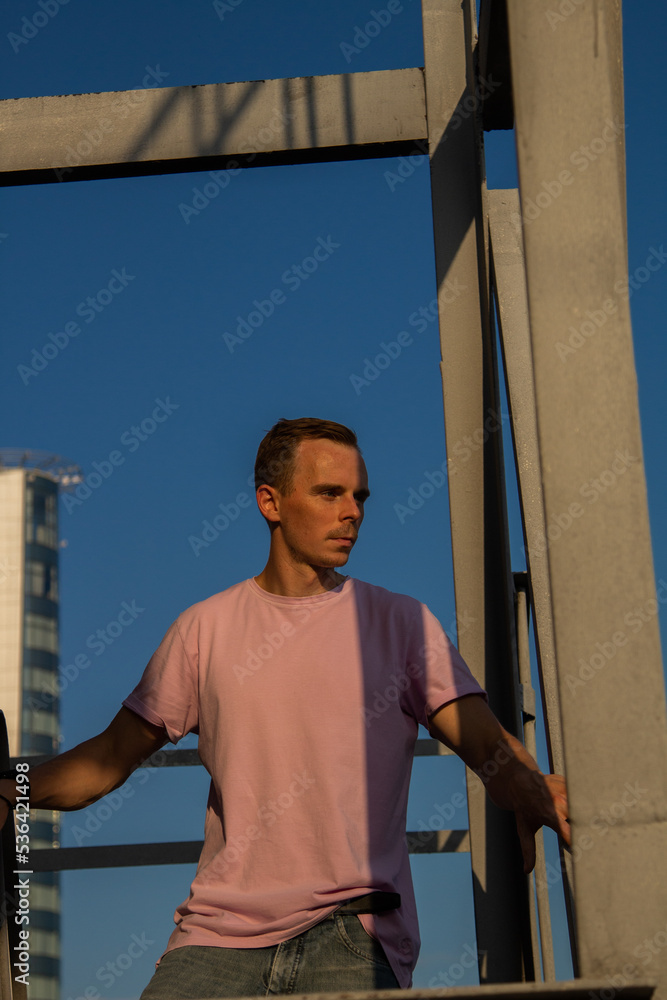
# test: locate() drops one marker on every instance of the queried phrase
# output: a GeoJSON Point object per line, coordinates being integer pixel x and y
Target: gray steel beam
{"type": "Point", "coordinates": [494, 65]}
{"type": "Point", "coordinates": [438, 841]}
{"type": "Point", "coordinates": [161, 758]}
{"type": "Point", "coordinates": [530, 741]}
{"type": "Point", "coordinates": [190, 758]}
{"type": "Point", "coordinates": [180, 852]}
{"type": "Point", "coordinates": [509, 280]}
{"type": "Point", "coordinates": [57, 859]}
{"type": "Point", "coordinates": [186, 128]}
{"type": "Point", "coordinates": [482, 579]}
{"type": "Point", "coordinates": [569, 116]}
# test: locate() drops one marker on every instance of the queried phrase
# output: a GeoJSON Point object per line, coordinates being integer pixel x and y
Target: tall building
{"type": "Point", "coordinates": [29, 688]}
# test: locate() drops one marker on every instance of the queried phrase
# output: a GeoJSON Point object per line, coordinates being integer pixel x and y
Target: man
{"type": "Point", "coordinates": [303, 883]}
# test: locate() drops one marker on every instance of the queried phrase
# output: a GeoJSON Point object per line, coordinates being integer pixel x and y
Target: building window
{"type": "Point", "coordinates": [41, 580]}
{"type": "Point", "coordinates": [36, 723]}
{"type": "Point", "coordinates": [41, 688]}
{"type": "Point", "coordinates": [41, 632]}
{"type": "Point", "coordinates": [42, 518]}
{"type": "Point", "coordinates": [45, 943]}
{"type": "Point", "coordinates": [44, 897]}
{"type": "Point", "coordinates": [45, 987]}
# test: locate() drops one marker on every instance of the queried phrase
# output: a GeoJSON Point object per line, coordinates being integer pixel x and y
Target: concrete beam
{"type": "Point", "coordinates": [509, 280]}
{"type": "Point", "coordinates": [65, 138]}
{"type": "Point", "coordinates": [482, 577]}
{"type": "Point", "coordinates": [567, 84]}
{"type": "Point", "coordinates": [572, 990]}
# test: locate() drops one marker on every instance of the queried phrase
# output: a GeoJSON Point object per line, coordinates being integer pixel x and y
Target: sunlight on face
{"type": "Point", "coordinates": [321, 516]}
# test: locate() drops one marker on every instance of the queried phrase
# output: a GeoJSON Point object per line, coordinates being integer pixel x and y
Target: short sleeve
{"type": "Point", "coordinates": [167, 694]}
{"type": "Point", "coordinates": [437, 671]}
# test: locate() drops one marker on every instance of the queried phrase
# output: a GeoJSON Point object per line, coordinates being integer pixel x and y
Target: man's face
{"type": "Point", "coordinates": [320, 518]}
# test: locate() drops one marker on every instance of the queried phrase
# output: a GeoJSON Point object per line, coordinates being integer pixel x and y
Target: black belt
{"type": "Point", "coordinates": [372, 902]}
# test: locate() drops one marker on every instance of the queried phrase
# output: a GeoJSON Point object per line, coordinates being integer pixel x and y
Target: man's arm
{"type": "Point", "coordinates": [92, 769]}
{"type": "Point", "coordinates": [511, 776]}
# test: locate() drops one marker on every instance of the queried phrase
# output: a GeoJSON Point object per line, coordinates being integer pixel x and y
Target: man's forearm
{"type": "Point", "coordinates": [71, 781]}
{"type": "Point", "coordinates": [512, 778]}
{"type": "Point", "coordinates": [92, 769]}
{"type": "Point", "coordinates": [506, 770]}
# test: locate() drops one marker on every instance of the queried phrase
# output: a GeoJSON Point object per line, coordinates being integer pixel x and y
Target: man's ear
{"type": "Point", "coordinates": [268, 502]}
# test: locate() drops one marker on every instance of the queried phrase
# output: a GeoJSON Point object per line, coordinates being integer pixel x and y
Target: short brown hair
{"type": "Point", "coordinates": [274, 464]}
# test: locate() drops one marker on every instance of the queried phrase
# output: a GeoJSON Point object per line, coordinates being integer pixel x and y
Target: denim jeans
{"type": "Point", "coordinates": [334, 955]}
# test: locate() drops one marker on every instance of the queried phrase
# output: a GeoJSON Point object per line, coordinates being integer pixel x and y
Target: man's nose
{"type": "Point", "coordinates": [353, 510]}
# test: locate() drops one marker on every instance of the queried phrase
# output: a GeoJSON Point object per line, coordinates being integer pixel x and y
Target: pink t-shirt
{"type": "Point", "coordinates": [307, 712]}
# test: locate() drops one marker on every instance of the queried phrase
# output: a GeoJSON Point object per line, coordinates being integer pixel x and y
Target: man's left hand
{"type": "Point", "coordinates": [511, 776]}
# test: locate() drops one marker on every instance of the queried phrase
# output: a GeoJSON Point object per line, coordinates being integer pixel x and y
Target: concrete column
{"type": "Point", "coordinates": [567, 82]}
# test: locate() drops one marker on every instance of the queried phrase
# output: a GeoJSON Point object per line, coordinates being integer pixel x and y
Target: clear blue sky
{"type": "Point", "coordinates": [183, 285]}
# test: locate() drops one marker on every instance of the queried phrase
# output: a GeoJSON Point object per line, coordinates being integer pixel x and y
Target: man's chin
{"type": "Point", "coordinates": [331, 562]}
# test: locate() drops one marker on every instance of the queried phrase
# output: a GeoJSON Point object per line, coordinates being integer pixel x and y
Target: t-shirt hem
{"type": "Point", "coordinates": [198, 935]}
{"type": "Point", "coordinates": [453, 694]}
{"type": "Point", "coordinates": [133, 703]}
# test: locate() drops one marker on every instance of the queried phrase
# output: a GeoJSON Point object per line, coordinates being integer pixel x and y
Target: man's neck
{"type": "Point", "coordinates": [298, 581]}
